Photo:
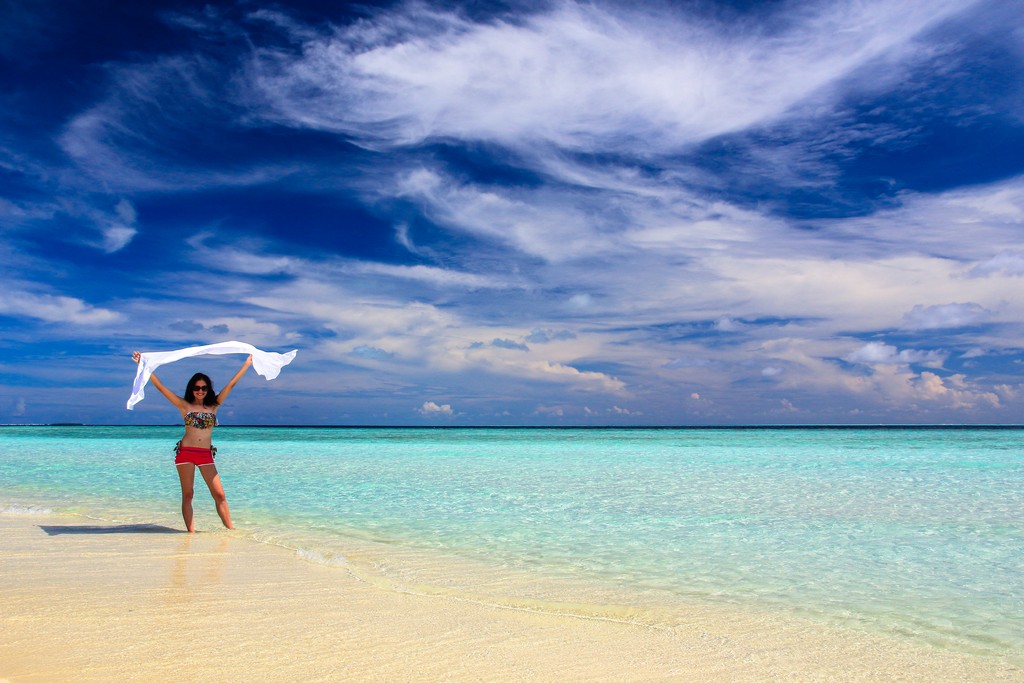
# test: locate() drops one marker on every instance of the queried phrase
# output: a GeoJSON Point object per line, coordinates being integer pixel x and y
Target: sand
{"type": "Point", "coordinates": [96, 601]}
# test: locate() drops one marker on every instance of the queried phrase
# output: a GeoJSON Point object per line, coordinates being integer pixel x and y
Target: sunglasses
{"type": "Point", "coordinates": [199, 387]}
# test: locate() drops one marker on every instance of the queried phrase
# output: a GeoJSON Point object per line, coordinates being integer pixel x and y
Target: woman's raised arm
{"type": "Point", "coordinates": [234, 380]}
{"type": "Point", "coordinates": [176, 400]}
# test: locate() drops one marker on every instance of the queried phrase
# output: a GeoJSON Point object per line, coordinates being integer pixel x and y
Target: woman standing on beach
{"type": "Point", "coordinates": [199, 411]}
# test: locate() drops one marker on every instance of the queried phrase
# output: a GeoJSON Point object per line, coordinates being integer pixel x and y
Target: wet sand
{"type": "Point", "coordinates": [95, 601]}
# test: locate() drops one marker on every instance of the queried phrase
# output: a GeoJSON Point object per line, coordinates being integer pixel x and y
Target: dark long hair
{"type": "Point", "coordinates": [211, 396]}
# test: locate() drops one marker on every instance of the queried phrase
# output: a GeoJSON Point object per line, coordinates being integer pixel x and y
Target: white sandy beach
{"type": "Point", "coordinates": [88, 601]}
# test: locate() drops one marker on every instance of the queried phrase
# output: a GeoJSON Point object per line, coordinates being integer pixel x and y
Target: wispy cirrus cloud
{"type": "Point", "coordinates": [106, 223]}
{"type": "Point", "coordinates": [52, 308]}
{"type": "Point", "coordinates": [260, 257]}
{"type": "Point", "coordinates": [576, 76]}
{"type": "Point", "coordinates": [145, 134]}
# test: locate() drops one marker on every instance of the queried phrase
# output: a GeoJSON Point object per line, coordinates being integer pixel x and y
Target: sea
{"type": "Point", "coordinates": [916, 533]}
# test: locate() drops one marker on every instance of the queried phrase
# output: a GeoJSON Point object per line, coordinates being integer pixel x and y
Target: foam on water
{"type": "Point", "coordinates": [25, 510]}
{"type": "Point", "coordinates": [915, 532]}
{"type": "Point", "coordinates": [330, 559]}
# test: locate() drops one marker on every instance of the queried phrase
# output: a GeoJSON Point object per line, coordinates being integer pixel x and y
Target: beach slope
{"type": "Point", "coordinates": [94, 601]}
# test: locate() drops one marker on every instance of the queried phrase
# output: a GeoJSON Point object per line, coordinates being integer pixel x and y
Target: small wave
{"type": "Point", "coordinates": [25, 510]}
{"type": "Point", "coordinates": [303, 552]}
{"type": "Point", "coordinates": [325, 558]}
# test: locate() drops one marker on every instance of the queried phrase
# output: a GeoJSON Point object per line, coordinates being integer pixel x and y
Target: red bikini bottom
{"type": "Point", "coordinates": [193, 456]}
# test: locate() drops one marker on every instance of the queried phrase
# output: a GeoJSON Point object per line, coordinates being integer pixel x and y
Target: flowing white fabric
{"type": "Point", "coordinates": [265, 363]}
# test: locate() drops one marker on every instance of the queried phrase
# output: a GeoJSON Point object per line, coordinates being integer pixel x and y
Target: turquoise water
{"type": "Point", "coordinates": [913, 532]}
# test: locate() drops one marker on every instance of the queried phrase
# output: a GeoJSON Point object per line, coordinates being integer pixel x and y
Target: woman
{"type": "Point", "coordinates": [199, 410]}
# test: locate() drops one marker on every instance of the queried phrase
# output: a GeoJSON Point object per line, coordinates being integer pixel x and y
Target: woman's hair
{"type": "Point", "coordinates": [211, 397]}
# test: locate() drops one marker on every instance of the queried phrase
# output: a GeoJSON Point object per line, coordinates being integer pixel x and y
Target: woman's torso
{"type": "Point", "coordinates": [199, 423]}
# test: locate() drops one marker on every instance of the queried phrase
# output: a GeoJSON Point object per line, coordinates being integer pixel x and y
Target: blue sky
{"type": "Point", "coordinates": [536, 213]}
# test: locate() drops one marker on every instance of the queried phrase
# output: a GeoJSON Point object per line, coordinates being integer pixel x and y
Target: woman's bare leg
{"type": "Point", "coordinates": [187, 475]}
{"type": "Point", "coordinates": [212, 478]}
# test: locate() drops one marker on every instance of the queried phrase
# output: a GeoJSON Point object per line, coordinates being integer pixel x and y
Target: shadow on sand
{"type": "Point", "coordinates": [115, 529]}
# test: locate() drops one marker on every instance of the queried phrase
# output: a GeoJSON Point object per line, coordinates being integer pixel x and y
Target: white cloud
{"type": "Point", "coordinates": [1009, 263]}
{"type": "Point", "coordinates": [953, 390]}
{"type": "Point", "coordinates": [580, 301]}
{"type": "Point", "coordinates": [252, 330]}
{"type": "Point", "coordinates": [546, 336]}
{"type": "Point", "coordinates": [403, 238]}
{"type": "Point", "coordinates": [435, 276]}
{"type": "Point", "coordinates": [891, 388]}
{"type": "Point", "coordinates": [55, 309]}
{"type": "Point", "coordinates": [118, 227]}
{"type": "Point", "coordinates": [371, 353]}
{"type": "Point", "coordinates": [116, 237]}
{"type": "Point", "coordinates": [259, 258]}
{"type": "Point", "coordinates": [510, 344]}
{"type": "Point", "coordinates": [727, 324]}
{"type": "Point", "coordinates": [854, 293]}
{"type": "Point", "coordinates": [431, 409]}
{"type": "Point", "coordinates": [428, 339]}
{"type": "Point", "coordinates": [126, 212]}
{"type": "Point", "coordinates": [17, 214]}
{"type": "Point", "coordinates": [878, 353]}
{"type": "Point", "coordinates": [788, 407]}
{"type": "Point", "coordinates": [556, 411]}
{"type": "Point", "coordinates": [946, 315]}
{"type": "Point", "coordinates": [1008, 392]}
{"type": "Point", "coordinates": [961, 225]}
{"type": "Point", "coordinates": [688, 362]}
{"type": "Point", "coordinates": [538, 222]}
{"type": "Point", "coordinates": [624, 411]}
{"type": "Point", "coordinates": [585, 379]}
{"type": "Point", "coordinates": [250, 260]}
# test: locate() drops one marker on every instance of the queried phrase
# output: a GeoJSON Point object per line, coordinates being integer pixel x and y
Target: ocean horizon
{"type": "Point", "coordinates": [894, 425]}
{"type": "Point", "coordinates": [912, 531]}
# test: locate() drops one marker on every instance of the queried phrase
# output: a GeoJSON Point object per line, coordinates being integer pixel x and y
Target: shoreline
{"type": "Point", "coordinates": [91, 600]}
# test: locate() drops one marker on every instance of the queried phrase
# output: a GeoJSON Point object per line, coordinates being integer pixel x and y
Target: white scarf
{"type": "Point", "coordinates": [265, 363]}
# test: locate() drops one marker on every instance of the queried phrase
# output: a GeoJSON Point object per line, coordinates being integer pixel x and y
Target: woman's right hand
{"type": "Point", "coordinates": [136, 356]}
